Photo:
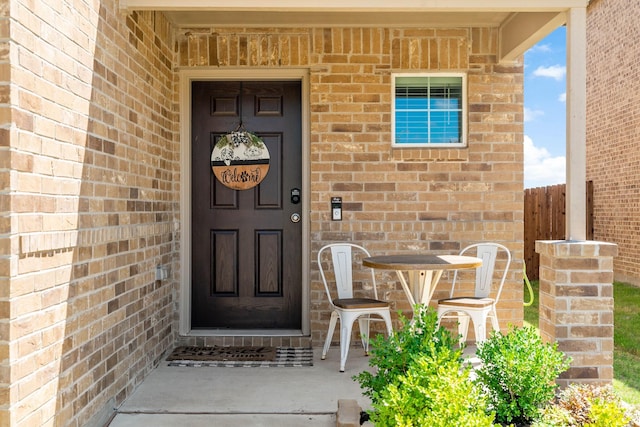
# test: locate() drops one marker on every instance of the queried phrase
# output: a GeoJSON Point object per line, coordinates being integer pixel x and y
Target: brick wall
{"type": "Point", "coordinates": [5, 219]}
{"type": "Point", "coordinates": [395, 200]}
{"type": "Point", "coordinates": [576, 306]}
{"type": "Point", "coordinates": [91, 143]}
{"type": "Point", "coordinates": [613, 128]}
{"type": "Point", "coordinates": [90, 206]}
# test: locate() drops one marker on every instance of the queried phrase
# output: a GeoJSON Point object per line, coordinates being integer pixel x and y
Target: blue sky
{"type": "Point", "coordinates": [545, 111]}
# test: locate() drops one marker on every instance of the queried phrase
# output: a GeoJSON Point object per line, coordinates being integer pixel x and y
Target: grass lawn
{"type": "Point", "coordinates": [626, 352]}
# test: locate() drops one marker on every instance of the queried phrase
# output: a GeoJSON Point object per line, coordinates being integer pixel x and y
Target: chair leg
{"type": "Point", "coordinates": [346, 324]}
{"type": "Point", "coordinates": [332, 327]}
{"type": "Point", "coordinates": [480, 325]}
{"type": "Point", "coordinates": [365, 328]}
{"type": "Point", "coordinates": [463, 326]}
{"type": "Point", "coordinates": [463, 322]}
{"type": "Point", "coordinates": [480, 328]}
{"type": "Point", "coordinates": [494, 320]}
{"type": "Point", "coordinates": [364, 323]}
{"type": "Point", "coordinates": [387, 321]}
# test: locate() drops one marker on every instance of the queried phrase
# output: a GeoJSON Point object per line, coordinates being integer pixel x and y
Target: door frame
{"type": "Point", "coordinates": [184, 299]}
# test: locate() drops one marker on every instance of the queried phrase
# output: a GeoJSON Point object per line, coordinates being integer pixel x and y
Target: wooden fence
{"type": "Point", "coordinates": [545, 218]}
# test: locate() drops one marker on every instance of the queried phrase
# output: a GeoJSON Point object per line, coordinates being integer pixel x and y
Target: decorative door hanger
{"type": "Point", "coordinates": [240, 160]}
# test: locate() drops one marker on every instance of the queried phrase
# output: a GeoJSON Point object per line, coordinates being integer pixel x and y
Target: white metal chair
{"type": "Point", "coordinates": [480, 306]}
{"type": "Point", "coordinates": [344, 305]}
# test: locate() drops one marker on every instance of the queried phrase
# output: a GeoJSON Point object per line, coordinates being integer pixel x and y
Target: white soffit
{"type": "Point", "coordinates": [521, 22]}
{"type": "Point", "coordinates": [325, 18]}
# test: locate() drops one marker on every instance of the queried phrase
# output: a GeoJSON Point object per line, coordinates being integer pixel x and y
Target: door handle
{"type": "Point", "coordinates": [295, 217]}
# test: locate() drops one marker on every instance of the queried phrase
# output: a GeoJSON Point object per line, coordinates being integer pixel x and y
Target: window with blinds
{"type": "Point", "coordinates": [429, 110]}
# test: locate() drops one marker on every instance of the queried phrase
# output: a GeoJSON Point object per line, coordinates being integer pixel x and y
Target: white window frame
{"type": "Point", "coordinates": [464, 116]}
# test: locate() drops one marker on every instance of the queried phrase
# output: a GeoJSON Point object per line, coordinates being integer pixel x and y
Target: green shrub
{"type": "Point", "coordinates": [435, 392]}
{"type": "Point", "coordinates": [585, 405]}
{"type": "Point", "coordinates": [578, 400]}
{"type": "Point", "coordinates": [518, 373]}
{"type": "Point", "coordinates": [606, 414]}
{"type": "Point", "coordinates": [554, 416]}
{"type": "Point", "coordinates": [392, 356]}
{"type": "Point", "coordinates": [419, 379]}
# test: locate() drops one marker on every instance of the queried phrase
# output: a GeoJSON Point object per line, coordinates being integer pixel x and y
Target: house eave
{"type": "Point", "coordinates": [432, 6]}
{"type": "Point", "coordinates": [521, 24]}
{"type": "Point", "coordinates": [523, 30]}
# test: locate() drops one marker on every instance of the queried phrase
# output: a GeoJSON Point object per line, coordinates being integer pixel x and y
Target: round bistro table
{"type": "Point", "coordinates": [423, 270]}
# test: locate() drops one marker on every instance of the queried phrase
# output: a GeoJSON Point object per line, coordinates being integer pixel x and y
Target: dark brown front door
{"type": "Point", "coordinates": [246, 249]}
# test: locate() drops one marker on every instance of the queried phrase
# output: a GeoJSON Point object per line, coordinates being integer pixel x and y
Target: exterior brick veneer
{"type": "Point", "coordinates": [88, 208]}
{"type": "Point", "coordinates": [90, 182]}
{"type": "Point", "coordinates": [395, 200]}
{"type": "Point", "coordinates": [576, 306]}
{"type": "Point", "coordinates": [613, 128]}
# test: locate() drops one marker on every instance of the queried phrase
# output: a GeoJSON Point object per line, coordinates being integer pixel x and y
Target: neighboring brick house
{"type": "Point", "coordinates": [100, 179]}
{"type": "Point", "coordinates": [613, 128]}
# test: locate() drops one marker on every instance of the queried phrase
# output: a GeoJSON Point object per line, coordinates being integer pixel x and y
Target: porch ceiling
{"type": "Point", "coordinates": [333, 18]}
{"type": "Point", "coordinates": [521, 23]}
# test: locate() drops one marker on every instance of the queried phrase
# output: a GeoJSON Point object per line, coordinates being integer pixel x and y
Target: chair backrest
{"type": "Point", "coordinates": [341, 260]}
{"type": "Point", "coordinates": [488, 252]}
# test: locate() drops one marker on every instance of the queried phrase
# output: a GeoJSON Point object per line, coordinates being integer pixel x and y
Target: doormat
{"type": "Point", "coordinates": [224, 353]}
{"type": "Point", "coordinates": [214, 357]}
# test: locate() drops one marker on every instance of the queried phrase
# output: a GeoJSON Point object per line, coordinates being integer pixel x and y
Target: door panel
{"type": "Point", "coordinates": [246, 251]}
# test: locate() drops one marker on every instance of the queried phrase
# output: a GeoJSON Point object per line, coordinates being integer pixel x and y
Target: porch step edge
{"type": "Point", "coordinates": [348, 414]}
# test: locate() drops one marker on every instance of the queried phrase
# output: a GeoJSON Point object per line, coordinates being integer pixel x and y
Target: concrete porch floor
{"type": "Point", "coordinates": [221, 396]}
{"type": "Point", "coordinates": [262, 397]}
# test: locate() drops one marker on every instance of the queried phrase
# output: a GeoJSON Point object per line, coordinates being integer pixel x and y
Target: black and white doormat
{"type": "Point", "coordinates": [285, 357]}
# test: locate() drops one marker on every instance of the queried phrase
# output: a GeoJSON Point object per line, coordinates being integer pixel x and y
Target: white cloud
{"type": "Point", "coordinates": [544, 48]}
{"type": "Point", "coordinates": [540, 168]}
{"type": "Point", "coordinates": [556, 72]}
{"type": "Point", "coordinates": [530, 114]}
{"type": "Point", "coordinates": [562, 97]}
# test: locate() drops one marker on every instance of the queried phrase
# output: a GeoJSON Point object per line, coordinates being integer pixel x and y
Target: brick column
{"type": "Point", "coordinates": [576, 306]}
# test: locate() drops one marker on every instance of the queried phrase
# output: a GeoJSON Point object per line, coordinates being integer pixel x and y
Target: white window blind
{"type": "Point", "coordinates": [428, 110]}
